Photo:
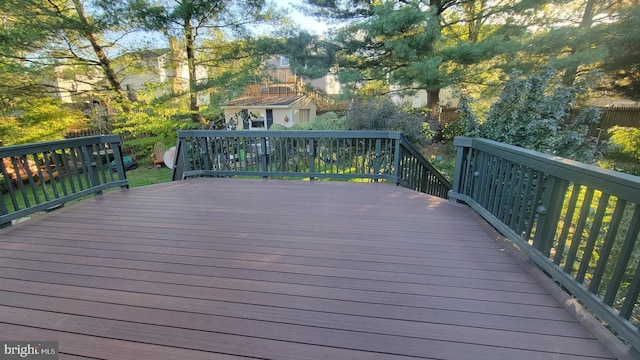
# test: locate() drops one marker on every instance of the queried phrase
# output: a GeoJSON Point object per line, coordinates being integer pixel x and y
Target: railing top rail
{"type": "Point", "coordinates": [17, 150]}
{"type": "Point", "coordinates": [409, 147]}
{"type": "Point", "coordinates": [372, 134]}
{"type": "Point", "coordinates": [612, 182]}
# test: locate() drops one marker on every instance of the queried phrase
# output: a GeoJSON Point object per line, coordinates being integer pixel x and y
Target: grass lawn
{"type": "Point", "coordinates": [148, 175]}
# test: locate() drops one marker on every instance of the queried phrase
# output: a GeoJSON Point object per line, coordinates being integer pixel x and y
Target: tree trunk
{"type": "Point", "coordinates": [586, 22]}
{"type": "Point", "coordinates": [191, 64]}
{"type": "Point", "coordinates": [433, 99]}
{"type": "Point", "coordinates": [105, 63]}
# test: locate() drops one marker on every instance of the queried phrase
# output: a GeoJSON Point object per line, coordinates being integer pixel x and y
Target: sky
{"type": "Point", "coordinates": [308, 23]}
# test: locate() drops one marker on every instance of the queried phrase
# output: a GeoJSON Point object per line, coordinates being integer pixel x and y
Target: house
{"type": "Point", "coordinates": [135, 71]}
{"type": "Point", "coordinates": [284, 99]}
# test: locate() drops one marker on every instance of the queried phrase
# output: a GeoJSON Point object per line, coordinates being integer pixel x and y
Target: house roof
{"type": "Point", "coordinates": [257, 101]}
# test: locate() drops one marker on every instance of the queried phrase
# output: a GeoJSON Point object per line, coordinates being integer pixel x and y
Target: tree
{"type": "Point", "coordinates": [415, 44]}
{"type": "Point", "coordinates": [622, 67]}
{"type": "Point", "coordinates": [577, 36]}
{"type": "Point", "coordinates": [191, 19]}
{"type": "Point", "coordinates": [74, 39]}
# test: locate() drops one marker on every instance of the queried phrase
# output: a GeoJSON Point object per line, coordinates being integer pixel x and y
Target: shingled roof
{"type": "Point", "coordinates": [251, 101]}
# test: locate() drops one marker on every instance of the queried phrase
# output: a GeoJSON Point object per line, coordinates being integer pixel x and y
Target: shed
{"type": "Point", "coordinates": [260, 112]}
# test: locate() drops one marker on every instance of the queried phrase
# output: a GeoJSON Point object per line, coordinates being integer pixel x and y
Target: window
{"type": "Point", "coordinates": [284, 61]}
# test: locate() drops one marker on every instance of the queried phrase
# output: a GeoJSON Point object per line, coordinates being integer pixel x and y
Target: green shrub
{"type": "Point", "coordinates": [625, 143]}
{"type": "Point", "coordinates": [328, 121]}
{"type": "Point", "coordinates": [531, 113]}
{"type": "Point", "coordinates": [384, 114]}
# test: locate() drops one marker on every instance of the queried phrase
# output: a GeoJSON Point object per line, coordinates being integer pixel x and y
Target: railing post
{"type": "Point", "coordinates": [463, 145]}
{"type": "Point", "coordinates": [91, 166]}
{"type": "Point", "coordinates": [3, 209]}
{"type": "Point", "coordinates": [397, 172]}
{"type": "Point", "coordinates": [549, 214]}
{"type": "Point", "coordinates": [181, 161]}
{"type": "Point", "coordinates": [376, 161]}
{"type": "Point", "coordinates": [264, 156]}
{"type": "Point", "coordinates": [117, 156]}
{"type": "Point", "coordinates": [312, 158]}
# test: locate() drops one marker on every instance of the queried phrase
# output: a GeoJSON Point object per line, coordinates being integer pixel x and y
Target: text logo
{"type": "Point", "coordinates": [30, 350]}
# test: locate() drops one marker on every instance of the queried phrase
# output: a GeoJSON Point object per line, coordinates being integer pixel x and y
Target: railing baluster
{"type": "Point", "coordinates": [594, 231]}
{"type": "Point", "coordinates": [562, 239]}
{"type": "Point", "coordinates": [43, 178]}
{"type": "Point", "coordinates": [542, 195]}
{"type": "Point", "coordinates": [623, 259]}
{"type": "Point", "coordinates": [610, 238]}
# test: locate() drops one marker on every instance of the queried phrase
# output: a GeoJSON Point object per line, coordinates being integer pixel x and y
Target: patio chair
{"type": "Point", "coordinates": [158, 154]}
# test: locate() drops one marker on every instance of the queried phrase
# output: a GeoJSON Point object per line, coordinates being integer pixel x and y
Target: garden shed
{"type": "Point", "coordinates": [260, 112]}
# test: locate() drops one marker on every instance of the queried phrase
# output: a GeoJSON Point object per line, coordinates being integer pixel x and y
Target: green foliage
{"type": "Point", "coordinates": [625, 143]}
{"type": "Point", "coordinates": [328, 121]}
{"type": "Point", "coordinates": [531, 113]}
{"type": "Point", "coordinates": [468, 124]}
{"type": "Point", "coordinates": [384, 114]}
{"type": "Point", "coordinates": [37, 120]}
{"type": "Point", "coordinates": [146, 124]}
{"type": "Point", "coordinates": [622, 66]}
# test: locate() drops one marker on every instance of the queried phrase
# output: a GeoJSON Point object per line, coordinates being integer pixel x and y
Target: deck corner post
{"type": "Point", "coordinates": [397, 172]}
{"type": "Point", "coordinates": [117, 156]}
{"type": "Point", "coordinates": [549, 214]}
{"type": "Point", "coordinates": [92, 167]}
{"type": "Point", "coordinates": [3, 206]}
{"type": "Point", "coordinates": [462, 145]}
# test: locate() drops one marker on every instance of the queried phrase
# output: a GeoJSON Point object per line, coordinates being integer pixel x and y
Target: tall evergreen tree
{"type": "Point", "coordinates": [191, 20]}
{"type": "Point", "coordinates": [416, 44]}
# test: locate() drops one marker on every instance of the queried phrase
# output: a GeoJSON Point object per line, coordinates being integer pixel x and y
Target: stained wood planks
{"type": "Point", "coordinates": [229, 268]}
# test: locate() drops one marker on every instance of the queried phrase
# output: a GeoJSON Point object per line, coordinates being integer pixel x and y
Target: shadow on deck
{"type": "Point", "coordinates": [230, 269]}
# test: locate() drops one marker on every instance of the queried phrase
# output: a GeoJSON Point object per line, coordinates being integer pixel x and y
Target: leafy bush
{"type": "Point", "coordinates": [384, 114]}
{"type": "Point", "coordinates": [531, 113]}
{"type": "Point", "coordinates": [467, 125]}
{"type": "Point", "coordinates": [625, 143]}
{"type": "Point", "coordinates": [146, 124]}
{"type": "Point", "coordinates": [328, 121]}
{"type": "Point", "coordinates": [36, 120]}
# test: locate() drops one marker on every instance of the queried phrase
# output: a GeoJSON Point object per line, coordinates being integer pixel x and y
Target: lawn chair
{"type": "Point", "coordinates": [158, 154]}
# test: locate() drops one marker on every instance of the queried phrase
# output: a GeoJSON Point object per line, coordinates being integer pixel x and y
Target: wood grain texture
{"type": "Point", "coordinates": [232, 269]}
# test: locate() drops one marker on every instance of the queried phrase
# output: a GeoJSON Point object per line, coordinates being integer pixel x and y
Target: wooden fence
{"type": "Point", "coordinates": [620, 116]}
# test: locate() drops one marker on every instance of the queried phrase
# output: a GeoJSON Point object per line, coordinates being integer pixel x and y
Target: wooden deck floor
{"type": "Point", "coordinates": [231, 269]}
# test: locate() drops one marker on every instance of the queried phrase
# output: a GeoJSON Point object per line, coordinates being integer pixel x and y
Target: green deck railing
{"type": "Point", "coordinates": [41, 176]}
{"type": "Point", "coordinates": [578, 222]}
{"type": "Point", "coordinates": [370, 155]}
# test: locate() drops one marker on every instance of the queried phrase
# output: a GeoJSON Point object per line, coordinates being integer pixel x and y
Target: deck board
{"type": "Point", "coordinates": [234, 269]}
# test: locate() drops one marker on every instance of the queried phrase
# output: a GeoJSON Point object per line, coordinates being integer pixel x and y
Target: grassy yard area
{"type": "Point", "coordinates": [148, 175]}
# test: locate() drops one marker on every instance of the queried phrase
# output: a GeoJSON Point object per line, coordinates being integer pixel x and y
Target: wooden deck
{"type": "Point", "coordinates": [232, 269]}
